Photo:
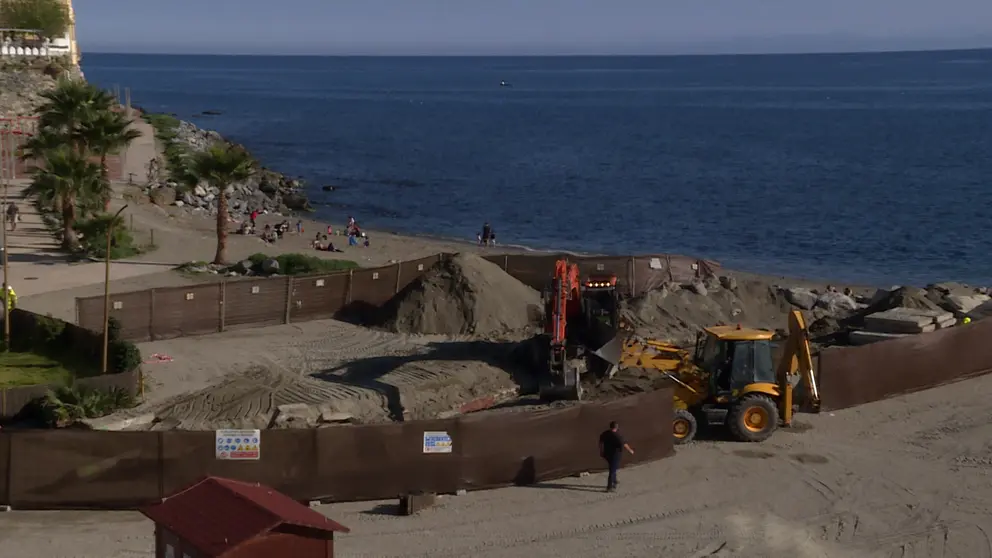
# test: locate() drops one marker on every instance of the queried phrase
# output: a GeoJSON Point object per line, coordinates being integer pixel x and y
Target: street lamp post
{"type": "Point", "coordinates": [5, 177]}
{"type": "Point", "coordinates": [106, 291]}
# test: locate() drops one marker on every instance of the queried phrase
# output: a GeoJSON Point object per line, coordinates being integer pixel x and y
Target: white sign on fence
{"type": "Point", "coordinates": [238, 445]}
{"type": "Point", "coordinates": [437, 442]}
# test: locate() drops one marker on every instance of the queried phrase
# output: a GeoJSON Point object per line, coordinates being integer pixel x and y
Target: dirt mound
{"type": "Point", "coordinates": [464, 294]}
{"type": "Point", "coordinates": [676, 313]}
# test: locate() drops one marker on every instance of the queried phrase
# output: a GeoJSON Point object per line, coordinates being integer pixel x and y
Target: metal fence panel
{"type": "Point", "coordinates": [852, 376]}
{"type": "Point", "coordinates": [255, 302]}
{"type": "Point", "coordinates": [182, 311]}
{"type": "Point", "coordinates": [287, 459]}
{"type": "Point", "coordinates": [73, 469]}
{"type": "Point", "coordinates": [132, 310]}
{"type": "Point", "coordinates": [318, 297]}
{"type": "Point", "coordinates": [373, 286]}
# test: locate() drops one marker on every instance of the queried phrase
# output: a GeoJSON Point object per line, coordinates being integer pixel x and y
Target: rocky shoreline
{"type": "Point", "coordinates": [267, 191]}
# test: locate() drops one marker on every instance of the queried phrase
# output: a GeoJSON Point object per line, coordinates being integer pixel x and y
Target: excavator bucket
{"type": "Point", "coordinates": [611, 351]}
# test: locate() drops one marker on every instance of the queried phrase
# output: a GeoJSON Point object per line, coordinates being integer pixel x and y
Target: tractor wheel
{"type": "Point", "coordinates": [753, 418]}
{"type": "Point", "coordinates": [684, 427]}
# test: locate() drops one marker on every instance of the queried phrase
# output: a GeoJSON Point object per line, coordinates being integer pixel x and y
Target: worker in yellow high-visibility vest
{"type": "Point", "coordinates": [11, 298]}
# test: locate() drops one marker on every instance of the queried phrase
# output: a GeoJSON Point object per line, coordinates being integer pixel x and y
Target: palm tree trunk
{"type": "Point", "coordinates": [69, 240]}
{"type": "Point", "coordinates": [220, 258]}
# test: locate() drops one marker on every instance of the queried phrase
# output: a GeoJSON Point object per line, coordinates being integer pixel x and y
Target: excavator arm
{"type": "Point", "coordinates": [796, 368]}
{"type": "Point", "coordinates": [562, 300]}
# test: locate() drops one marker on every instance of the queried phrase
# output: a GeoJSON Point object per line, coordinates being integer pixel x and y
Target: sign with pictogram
{"type": "Point", "coordinates": [238, 445]}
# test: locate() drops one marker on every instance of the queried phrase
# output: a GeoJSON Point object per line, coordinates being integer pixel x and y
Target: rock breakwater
{"type": "Point", "coordinates": [169, 181]}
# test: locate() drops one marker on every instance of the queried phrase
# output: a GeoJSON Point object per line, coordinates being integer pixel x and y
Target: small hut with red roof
{"type": "Point", "coordinates": [223, 518]}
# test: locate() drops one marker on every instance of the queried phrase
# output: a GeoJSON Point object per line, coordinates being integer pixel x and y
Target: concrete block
{"type": "Point", "coordinates": [861, 337]}
{"type": "Point", "coordinates": [902, 321]}
{"type": "Point", "coordinates": [413, 503]}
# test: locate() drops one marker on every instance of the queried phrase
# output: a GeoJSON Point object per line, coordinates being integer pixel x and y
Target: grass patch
{"type": "Point", "coordinates": [303, 264]}
{"type": "Point", "coordinates": [28, 369]}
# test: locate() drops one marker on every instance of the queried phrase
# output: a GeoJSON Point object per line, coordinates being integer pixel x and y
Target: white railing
{"type": "Point", "coordinates": [19, 42]}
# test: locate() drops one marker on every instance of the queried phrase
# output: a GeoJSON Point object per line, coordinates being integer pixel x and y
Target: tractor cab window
{"type": "Point", "coordinates": [711, 355]}
{"type": "Point", "coordinates": [742, 367]}
{"type": "Point", "coordinates": [764, 364]}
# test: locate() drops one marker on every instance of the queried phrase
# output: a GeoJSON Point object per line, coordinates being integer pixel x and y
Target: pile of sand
{"type": "Point", "coordinates": [676, 313]}
{"type": "Point", "coordinates": [462, 295]}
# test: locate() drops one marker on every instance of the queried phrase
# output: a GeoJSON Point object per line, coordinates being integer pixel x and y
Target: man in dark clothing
{"type": "Point", "coordinates": [487, 233]}
{"type": "Point", "coordinates": [611, 447]}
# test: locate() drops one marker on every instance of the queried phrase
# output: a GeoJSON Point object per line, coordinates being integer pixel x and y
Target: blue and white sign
{"type": "Point", "coordinates": [437, 442]}
{"type": "Point", "coordinates": [238, 445]}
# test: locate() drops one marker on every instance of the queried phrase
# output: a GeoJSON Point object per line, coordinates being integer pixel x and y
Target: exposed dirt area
{"type": "Point", "coordinates": [906, 477]}
{"type": "Point", "coordinates": [462, 295]}
{"type": "Point", "coordinates": [239, 379]}
{"type": "Point", "coordinates": [676, 312]}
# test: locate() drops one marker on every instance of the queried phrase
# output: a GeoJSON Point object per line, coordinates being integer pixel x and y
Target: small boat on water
{"type": "Point", "coordinates": [504, 84]}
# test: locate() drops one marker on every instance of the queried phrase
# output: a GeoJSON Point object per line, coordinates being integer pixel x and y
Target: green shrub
{"type": "Point", "coordinates": [94, 237]}
{"type": "Point", "coordinates": [64, 405]}
{"type": "Point", "coordinates": [49, 17]}
{"type": "Point", "coordinates": [49, 331]}
{"type": "Point", "coordinates": [303, 264]}
{"type": "Point", "coordinates": [113, 328]}
{"type": "Point", "coordinates": [122, 356]}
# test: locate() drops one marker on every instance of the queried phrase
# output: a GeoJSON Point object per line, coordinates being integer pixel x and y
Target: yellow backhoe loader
{"type": "Point", "coordinates": [730, 380]}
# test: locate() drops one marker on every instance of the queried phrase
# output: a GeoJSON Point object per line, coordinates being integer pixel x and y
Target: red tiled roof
{"type": "Point", "coordinates": [216, 514]}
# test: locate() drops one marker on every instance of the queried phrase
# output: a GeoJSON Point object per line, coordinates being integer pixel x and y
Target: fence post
{"type": "Point", "coordinates": [630, 275]}
{"type": "Point", "coordinates": [161, 466]}
{"type": "Point", "coordinates": [151, 314]}
{"type": "Point", "coordinates": [506, 262]}
{"type": "Point", "coordinates": [399, 270]}
{"type": "Point", "coordinates": [289, 297]}
{"type": "Point", "coordinates": [77, 312]}
{"type": "Point", "coordinates": [222, 297]}
{"type": "Point", "coordinates": [347, 292]}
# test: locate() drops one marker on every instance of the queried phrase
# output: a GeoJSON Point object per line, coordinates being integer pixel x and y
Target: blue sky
{"type": "Point", "coordinates": [465, 27]}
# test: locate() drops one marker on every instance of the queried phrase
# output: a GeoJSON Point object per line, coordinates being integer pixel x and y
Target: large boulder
{"type": "Point", "coordinates": [836, 303]}
{"type": "Point", "coordinates": [800, 297]}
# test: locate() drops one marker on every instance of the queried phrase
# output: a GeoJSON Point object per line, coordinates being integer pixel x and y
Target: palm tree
{"type": "Point", "coordinates": [221, 166]}
{"type": "Point", "coordinates": [107, 133]}
{"type": "Point", "coordinates": [67, 177]}
{"type": "Point", "coordinates": [68, 105]}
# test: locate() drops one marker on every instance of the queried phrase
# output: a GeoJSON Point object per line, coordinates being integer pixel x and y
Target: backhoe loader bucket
{"type": "Point", "coordinates": [611, 351]}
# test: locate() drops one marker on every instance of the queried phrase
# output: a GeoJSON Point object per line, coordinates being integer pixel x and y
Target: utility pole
{"type": "Point", "coordinates": [106, 289]}
{"type": "Point", "coordinates": [6, 160]}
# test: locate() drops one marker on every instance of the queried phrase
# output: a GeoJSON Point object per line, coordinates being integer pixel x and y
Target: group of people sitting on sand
{"type": "Point", "coordinates": [356, 237]}
{"type": "Point", "coordinates": [272, 233]}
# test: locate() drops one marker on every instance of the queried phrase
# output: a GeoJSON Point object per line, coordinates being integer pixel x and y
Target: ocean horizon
{"type": "Point", "coordinates": [866, 168]}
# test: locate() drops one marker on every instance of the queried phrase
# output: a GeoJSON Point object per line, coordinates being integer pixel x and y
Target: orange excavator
{"type": "Point", "coordinates": [581, 316]}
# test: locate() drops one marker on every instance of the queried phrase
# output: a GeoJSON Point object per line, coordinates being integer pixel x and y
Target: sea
{"type": "Point", "coordinates": [870, 169]}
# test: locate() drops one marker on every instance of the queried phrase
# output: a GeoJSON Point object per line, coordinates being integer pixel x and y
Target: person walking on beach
{"type": "Point", "coordinates": [12, 212]}
{"type": "Point", "coordinates": [254, 216]}
{"type": "Point", "coordinates": [487, 233]}
{"type": "Point", "coordinates": [611, 448]}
